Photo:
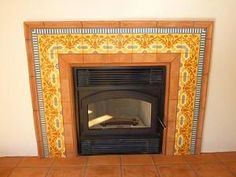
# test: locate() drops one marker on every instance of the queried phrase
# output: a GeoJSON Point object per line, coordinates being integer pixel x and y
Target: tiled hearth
{"type": "Point", "coordinates": [206, 165]}
{"type": "Point", "coordinates": [54, 47]}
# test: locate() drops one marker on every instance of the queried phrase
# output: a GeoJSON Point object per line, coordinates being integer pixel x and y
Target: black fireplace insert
{"type": "Point", "coordinates": [119, 109]}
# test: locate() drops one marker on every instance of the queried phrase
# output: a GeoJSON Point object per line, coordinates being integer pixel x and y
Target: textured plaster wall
{"type": "Point", "coordinates": [17, 135]}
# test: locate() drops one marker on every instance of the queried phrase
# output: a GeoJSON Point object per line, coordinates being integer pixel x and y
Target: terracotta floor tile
{"type": "Point", "coordinates": [66, 172]}
{"type": "Point", "coordinates": [35, 162]}
{"type": "Point", "coordinates": [227, 156]}
{"type": "Point", "coordinates": [162, 159]}
{"type": "Point", "coordinates": [176, 171]}
{"type": "Point", "coordinates": [29, 172]}
{"type": "Point", "coordinates": [4, 172]}
{"type": "Point", "coordinates": [104, 160]}
{"type": "Point", "coordinates": [139, 171]}
{"type": "Point", "coordinates": [9, 161]}
{"type": "Point", "coordinates": [70, 162]}
{"type": "Point", "coordinates": [211, 170]}
{"type": "Point", "coordinates": [136, 160]}
{"type": "Point", "coordinates": [103, 171]}
{"type": "Point", "coordinates": [231, 165]}
{"type": "Point", "coordinates": [203, 158]}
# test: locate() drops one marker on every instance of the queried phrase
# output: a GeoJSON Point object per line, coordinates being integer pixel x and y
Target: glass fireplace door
{"type": "Point", "coordinates": [119, 113]}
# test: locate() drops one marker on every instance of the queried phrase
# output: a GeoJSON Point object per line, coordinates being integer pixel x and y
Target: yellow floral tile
{"type": "Point", "coordinates": [48, 43]}
{"type": "Point", "coordinates": [120, 43]}
{"type": "Point", "coordinates": [95, 43]}
{"type": "Point", "coordinates": [70, 43]}
{"type": "Point", "coordinates": [144, 43]}
{"type": "Point", "coordinates": [169, 43]}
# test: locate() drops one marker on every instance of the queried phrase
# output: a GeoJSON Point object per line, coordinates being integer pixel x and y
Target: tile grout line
{"type": "Point", "coordinates": [224, 165]}
{"type": "Point", "coordinates": [15, 166]}
{"type": "Point", "coordinates": [190, 166]}
{"type": "Point", "coordinates": [50, 167]}
{"type": "Point", "coordinates": [121, 166]}
{"type": "Point", "coordinates": [156, 168]}
{"type": "Point", "coordinates": [215, 162]}
{"type": "Point", "coordinates": [85, 167]}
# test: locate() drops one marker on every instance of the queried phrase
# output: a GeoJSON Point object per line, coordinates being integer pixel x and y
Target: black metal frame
{"type": "Point", "coordinates": [152, 93]}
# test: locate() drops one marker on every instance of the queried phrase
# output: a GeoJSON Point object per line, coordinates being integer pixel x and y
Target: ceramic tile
{"type": "Point", "coordinates": [70, 162]}
{"type": "Point", "coordinates": [35, 162]}
{"type": "Point", "coordinates": [175, 24]}
{"type": "Point", "coordinates": [170, 147]}
{"type": "Point", "coordinates": [203, 158]}
{"type": "Point", "coordinates": [66, 172]}
{"type": "Point", "coordinates": [104, 171]}
{"type": "Point", "coordinates": [144, 58]}
{"type": "Point", "coordinates": [231, 165]}
{"type": "Point", "coordinates": [169, 43]}
{"type": "Point", "coordinates": [95, 58]}
{"type": "Point", "coordinates": [120, 43]}
{"type": "Point", "coordinates": [104, 160]}
{"type": "Point", "coordinates": [165, 160]}
{"type": "Point", "coordinates": [9, 161]}
{"type": "Point", "coordinates": [176, 171]}
{"type": "Point", "coordinates": [171, 129]}
{"type": "Point", "coordinates": [211, 170]}
{"type": "Point", "coordinates": [29, 172]}
{"type": "Point", "coordinates": [136, 160]}
{"type": "Point", "coordinates": [144, 43]}
{"type": "Point", "coordinates": [226, 156]}
{"type": "Point", "coordinates": [95, 43]}
{"type": "Point", "coordinates": [139, 171]}
{"type": "Point", "coordinates": [5, 171]}
{"type": "Point", "coordinates": [101, 24]}
{"type": "Point", "coordinates": [120, 58]}
{"type": "Point", "coordinates": [138, 24]}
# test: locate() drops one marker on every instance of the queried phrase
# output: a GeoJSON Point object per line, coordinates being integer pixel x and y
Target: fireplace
{"type": "Point", "coordinates": [119, 109]}
{"type": "Point", "coordinates": [54, 48]}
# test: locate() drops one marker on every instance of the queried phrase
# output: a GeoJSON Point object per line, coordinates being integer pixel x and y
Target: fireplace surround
{"type": "Point", "coordinates": [55, 47]}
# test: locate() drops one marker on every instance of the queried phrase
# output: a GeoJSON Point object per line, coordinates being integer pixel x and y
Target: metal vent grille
{"type": "Point", "coordinates": [117, 76]}
{"type": "Point", "coordinates": [120, 146]}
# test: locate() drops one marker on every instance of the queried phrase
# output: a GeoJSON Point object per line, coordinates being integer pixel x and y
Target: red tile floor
{"type": "Point", "coordinates": [205, 165]}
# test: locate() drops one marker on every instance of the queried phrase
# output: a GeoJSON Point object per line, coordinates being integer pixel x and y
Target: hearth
{"type": "Point", "coordinates": [119, 109]}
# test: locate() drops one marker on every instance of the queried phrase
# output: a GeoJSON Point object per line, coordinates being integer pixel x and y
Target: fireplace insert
{"type": "Point", "coordinates": [119, 109]}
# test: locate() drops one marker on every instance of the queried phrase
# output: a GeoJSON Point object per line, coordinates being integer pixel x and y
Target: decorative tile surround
{"type": "Point", "coordinates": [48, 42]}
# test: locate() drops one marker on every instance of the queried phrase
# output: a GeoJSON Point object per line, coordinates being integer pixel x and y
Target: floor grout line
{"type": "Point", "coordinates": [156, 168]}
{"type": "Point", "coordinates": [85, 168]}
{"type": "Point", "coordinates": [15, 166]}
{"type": "Point", "coordinates": [191, 167]}
{"type": "Point", "coordinates": [223, 164]}
{"type": "Point", "coordinates": [121, 167]}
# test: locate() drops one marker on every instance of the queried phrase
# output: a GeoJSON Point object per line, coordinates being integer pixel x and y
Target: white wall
{"type": "Point", "coordinates": [17, 135]}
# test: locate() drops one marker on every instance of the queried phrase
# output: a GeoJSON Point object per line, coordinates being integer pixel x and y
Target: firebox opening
{"type": "Point", "coordinates": [119, 109]}
{"type": "Point", "coordinates": [119, 113]}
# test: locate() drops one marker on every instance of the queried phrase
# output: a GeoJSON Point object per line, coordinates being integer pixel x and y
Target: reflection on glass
{"type": "Point", "coordinates": [119, 113]}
